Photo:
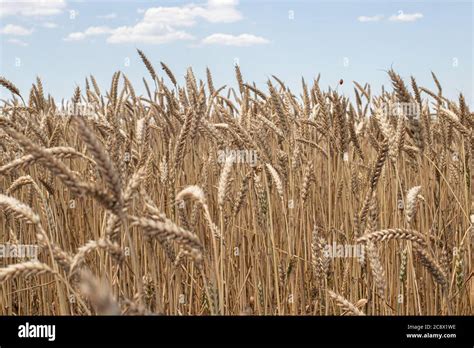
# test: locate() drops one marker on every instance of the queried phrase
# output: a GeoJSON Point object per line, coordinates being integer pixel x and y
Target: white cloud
{"type": "Point", "coordinates": [75, 37]}
{"type": "Point", "coordinates": [98, 31]}
{"type": "Point", "coordinates": [91, 31]}
{"type": "Point", "coordinates": [160, 24]}
{"type": "Point", "coordinates": [222, 2]}
{"type": "Point", "coordinates": [17, 30]}
{"type": "Point", "coordinates": [108, 16]}
{"type": "Point", "coordinates": [31, 7]}
{"type": "Point", "coordinates": [18, 42]}
{"type": "Point", "coordinates": [406, 17]}
{"type": "Point", "coordinates": [375, 18]}
{"type": "Point", "coordinates": [184, 16]}
{"type": "Point", "coordinates": [234, 40]}
{"type": "Point", "coordinates": [49, 25]}
{"type": "Point", "coordinates": [221, 11]}
{"type": "Point", "coordinates": [154, 36]}
{"type": "Point", "coordinates": [140, 33]}
{"type": "Point", "coordinates": [214, 11]}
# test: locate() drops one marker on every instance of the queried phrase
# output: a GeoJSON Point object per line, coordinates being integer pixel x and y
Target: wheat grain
{"type": "Point", "coordinates": [174, 227]}
{"type": "Point", "coordinates": [345, 304]}
{"type": "Point", "coordinates": [24, 269]}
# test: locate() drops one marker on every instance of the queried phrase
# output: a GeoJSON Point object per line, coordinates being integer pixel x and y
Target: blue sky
{"type": "Point", "coordinates": [353, 40]}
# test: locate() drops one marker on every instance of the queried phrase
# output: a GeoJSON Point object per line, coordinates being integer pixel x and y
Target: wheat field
{"type": "Point", "coordinates": [196, 199]}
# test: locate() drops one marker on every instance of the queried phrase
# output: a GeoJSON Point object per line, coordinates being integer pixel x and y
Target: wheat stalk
{"type": "Point", "coordinates": [345, 304]}
{"type": "Point", "coordinates": [24, 269]}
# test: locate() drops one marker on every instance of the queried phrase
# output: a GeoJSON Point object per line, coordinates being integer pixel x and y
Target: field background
{"type": "Point", "coordinates": [136, 211]}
